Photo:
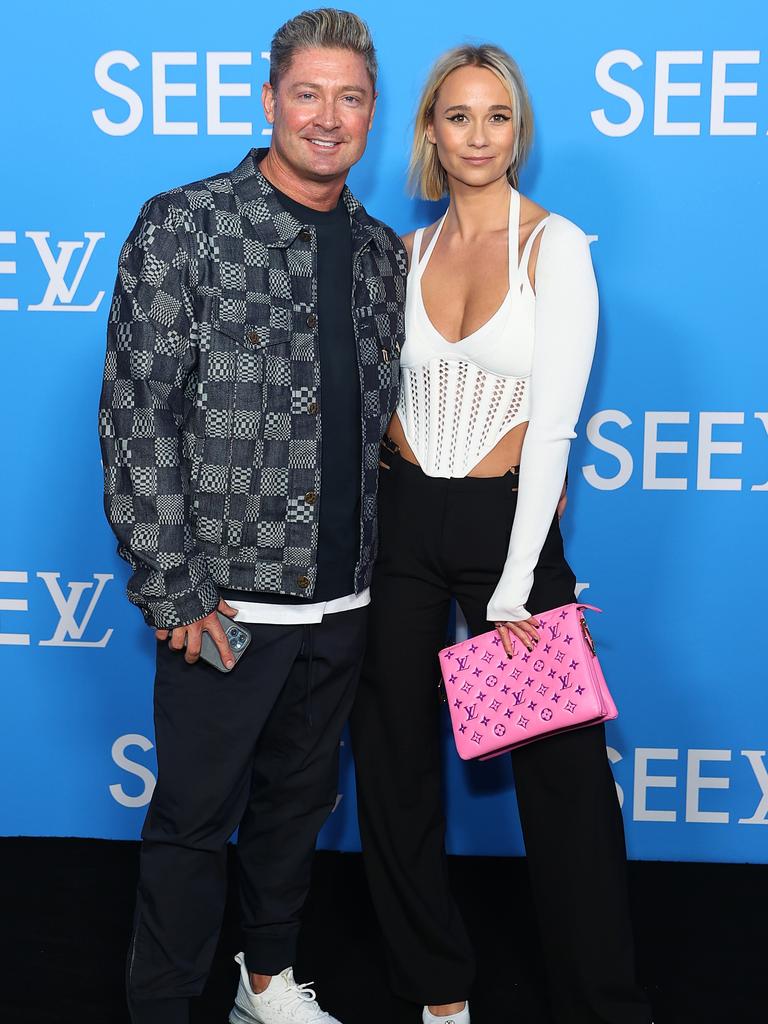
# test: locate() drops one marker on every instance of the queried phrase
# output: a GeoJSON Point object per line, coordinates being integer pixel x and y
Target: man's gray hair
{"type": "Point", "coordinates": [326, 27]}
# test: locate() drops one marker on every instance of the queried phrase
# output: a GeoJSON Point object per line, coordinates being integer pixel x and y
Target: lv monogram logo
{"type": "Point", "coordinates": [59, 295]}
{"type": "Point", "coordinates": [519, 696]}
{"type": "Point", "coordinates": [564, 681]}
{"type": "Point", "coordinates": [69, 631]}
{"type": "Point", "coordinates": [463, 663]}
{"type": "Point", "coordinates": [554, 630]}
{"type": "Point", "coordinates": [471, 712]}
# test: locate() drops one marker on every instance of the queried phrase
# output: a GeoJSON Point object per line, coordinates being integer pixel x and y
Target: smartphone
{"type": "Point", "coordinates": [238, 637]}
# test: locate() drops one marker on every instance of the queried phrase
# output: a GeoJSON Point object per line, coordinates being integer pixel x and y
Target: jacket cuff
{"type": "Point", "coordinates": [179, 610]}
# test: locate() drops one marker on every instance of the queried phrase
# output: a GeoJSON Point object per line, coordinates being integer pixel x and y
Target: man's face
{"type": "Point", "coordinates": [321, 113]}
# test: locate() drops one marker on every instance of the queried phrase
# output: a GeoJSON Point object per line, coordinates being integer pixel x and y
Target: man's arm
{"type": "Point", "coordinates": [150, 354]}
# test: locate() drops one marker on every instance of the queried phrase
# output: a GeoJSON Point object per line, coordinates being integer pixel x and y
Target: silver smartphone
{"type": "Point", "coordinates": [238, 637]}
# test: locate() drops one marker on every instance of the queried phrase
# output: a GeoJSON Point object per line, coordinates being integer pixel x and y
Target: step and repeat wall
{"type": "Point", "coordinates": [651, 135]}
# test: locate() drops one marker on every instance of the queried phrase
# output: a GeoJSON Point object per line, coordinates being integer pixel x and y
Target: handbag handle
{"type": "Point", "coordinates": [585, 627]}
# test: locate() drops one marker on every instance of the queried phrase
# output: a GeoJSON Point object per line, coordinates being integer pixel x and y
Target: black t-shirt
{"type": "Point", "coordinates": [339, 403]}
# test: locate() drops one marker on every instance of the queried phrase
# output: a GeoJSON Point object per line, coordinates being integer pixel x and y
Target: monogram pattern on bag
{"type": "Point", "coordinates": [495, 703]}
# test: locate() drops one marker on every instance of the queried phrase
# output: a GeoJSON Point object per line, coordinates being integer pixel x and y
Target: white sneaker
{"type": "Point", "coordinates": [462, 1017]}
{"type": "Point", "coordinates": [283, 1001]}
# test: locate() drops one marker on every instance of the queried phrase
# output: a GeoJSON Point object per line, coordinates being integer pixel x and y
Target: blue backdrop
{"type": "Point", "coordinates": [651, 135]}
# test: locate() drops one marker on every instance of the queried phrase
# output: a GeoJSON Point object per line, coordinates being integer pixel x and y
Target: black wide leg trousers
{"type": "Point", "coordinates": [449, 537]}
{"type": "Point", "coordinates": [257, 749]}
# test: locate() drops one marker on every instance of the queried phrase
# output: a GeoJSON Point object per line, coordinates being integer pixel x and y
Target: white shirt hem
{"type": "Point", "coordinates": [298, 614]}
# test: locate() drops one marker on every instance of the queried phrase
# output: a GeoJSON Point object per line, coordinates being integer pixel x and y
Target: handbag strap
{"type": "Point", "coordinates": [591, 607]}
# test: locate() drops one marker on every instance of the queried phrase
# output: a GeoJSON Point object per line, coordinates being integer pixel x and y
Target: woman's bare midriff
{"type": "Point", "coordinates": [497, 462]}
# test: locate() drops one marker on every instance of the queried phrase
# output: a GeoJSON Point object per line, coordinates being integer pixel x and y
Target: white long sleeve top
{"type": "Point", "coordinates": [530, 362]}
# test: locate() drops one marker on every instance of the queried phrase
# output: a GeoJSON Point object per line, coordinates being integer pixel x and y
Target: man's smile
{"type": "Point", "coordinates": [325, 143]}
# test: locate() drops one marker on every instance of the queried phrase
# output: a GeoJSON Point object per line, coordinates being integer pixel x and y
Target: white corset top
{"type": "Point", "coordinates": [529, 362]}
{"type": "Point", "coordinates": [457, 399]}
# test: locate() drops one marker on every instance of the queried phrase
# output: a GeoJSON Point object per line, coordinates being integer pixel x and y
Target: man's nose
{"type": "Point", "coordinates": [327, 117]}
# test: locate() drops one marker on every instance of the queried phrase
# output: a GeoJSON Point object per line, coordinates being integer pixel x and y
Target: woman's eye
{"type": "Point", "coordinates": [500, 118]}
{"type": "Point", "coordinates": [456, 118]}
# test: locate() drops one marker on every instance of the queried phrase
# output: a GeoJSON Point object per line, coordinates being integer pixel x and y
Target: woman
{"type": "Point", "coordinates": [501, 319]}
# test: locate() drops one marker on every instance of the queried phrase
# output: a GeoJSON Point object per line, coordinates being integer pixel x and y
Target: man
{"type": "Point", "coordinates": [252, 367]}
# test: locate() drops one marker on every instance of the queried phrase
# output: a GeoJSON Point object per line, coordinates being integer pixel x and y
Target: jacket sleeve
{"type": "Point", "coordinates": [150, 356]}
{"type": "Point", "coordinates": [564, 344]}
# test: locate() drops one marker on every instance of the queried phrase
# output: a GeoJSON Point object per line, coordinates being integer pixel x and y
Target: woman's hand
{"type": "Point", "coordinates": [563, 500]}
{"type": "Point", "coordinates": [526, 631]}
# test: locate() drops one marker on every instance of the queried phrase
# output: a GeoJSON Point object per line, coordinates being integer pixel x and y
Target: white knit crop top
{"type": "Point", "coordinates": [529, 362]}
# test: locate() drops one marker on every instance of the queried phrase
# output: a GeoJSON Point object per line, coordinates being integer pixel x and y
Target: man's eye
{"type": "Point", "coordinates": [306, 96]}
{"type": "Point", "coordinates": [352, 99]}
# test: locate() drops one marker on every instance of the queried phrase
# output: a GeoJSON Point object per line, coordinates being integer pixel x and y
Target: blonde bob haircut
{"type": "Point", "coordinates": [426, 175]}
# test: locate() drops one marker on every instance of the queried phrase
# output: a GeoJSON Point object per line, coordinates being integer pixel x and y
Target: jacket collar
{"type": "Point", "coordinates": [275, 226]}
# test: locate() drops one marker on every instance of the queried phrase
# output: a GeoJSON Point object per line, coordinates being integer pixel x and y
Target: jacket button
{"type": "Point", "coordinates": [311, 320]}
{"type": "Point", "coordinates": [310, 497]}
{"type": "Point", "coordinates": [303, 582]}
{"type": "Point", "coordinates": [312, 408]}
{"type": "Point", "coordinates": [253, 337]}
{"type": "Point", "coordinates": [305, 235]}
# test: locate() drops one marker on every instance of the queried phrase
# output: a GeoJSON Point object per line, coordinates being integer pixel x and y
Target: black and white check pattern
{"type": "Point", "coordinates": [211, 408]}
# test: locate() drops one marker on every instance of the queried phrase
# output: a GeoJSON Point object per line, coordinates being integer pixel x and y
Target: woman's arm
{"type": "Point", "coordinates": [565, 331]}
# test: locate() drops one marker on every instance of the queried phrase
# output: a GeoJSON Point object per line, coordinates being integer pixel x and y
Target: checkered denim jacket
{"type": "Point", "coordinates": [211, 408]}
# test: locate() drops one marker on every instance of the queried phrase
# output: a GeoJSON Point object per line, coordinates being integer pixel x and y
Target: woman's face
{"type": "Point", "coordinates": [472, 126]}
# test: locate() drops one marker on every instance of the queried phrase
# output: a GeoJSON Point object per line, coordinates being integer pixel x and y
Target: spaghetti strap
{"type": "Point", "coordinates": [416, 248]}
{"type": "Point", "coordinates": [421, 264]}
{"type": "Point", "coordinates": [513, 236]}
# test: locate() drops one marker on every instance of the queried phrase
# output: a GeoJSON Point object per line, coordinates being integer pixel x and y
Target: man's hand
{"type": "Point", "coordinates": [191, 636]}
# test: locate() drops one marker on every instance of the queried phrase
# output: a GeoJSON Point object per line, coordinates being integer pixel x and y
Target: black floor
{"type": "Point", "coordinates": [702, 934]}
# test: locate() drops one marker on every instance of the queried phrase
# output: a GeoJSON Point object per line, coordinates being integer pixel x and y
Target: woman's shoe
{"type": "Point", "coordinates": [462, 1017]}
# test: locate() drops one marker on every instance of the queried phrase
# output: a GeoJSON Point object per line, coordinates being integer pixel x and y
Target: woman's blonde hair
{"type": "Point", "coordinates": [426, 175]}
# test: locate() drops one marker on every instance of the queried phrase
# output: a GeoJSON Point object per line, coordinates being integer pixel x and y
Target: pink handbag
{"type": "Point", "coordinates": [499, 703]}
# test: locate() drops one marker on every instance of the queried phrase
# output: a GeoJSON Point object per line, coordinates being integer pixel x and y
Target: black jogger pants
{"type": "Point", "coordinates": [256, 749]}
